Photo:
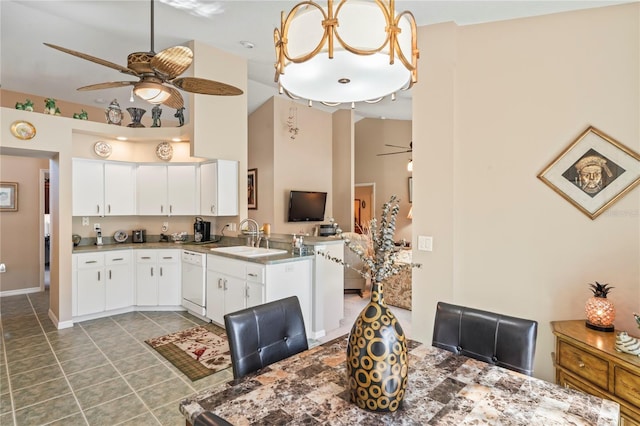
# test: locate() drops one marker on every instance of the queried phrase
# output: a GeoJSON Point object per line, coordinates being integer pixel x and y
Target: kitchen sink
{"type": "Point", "coordinates": [246, 251]}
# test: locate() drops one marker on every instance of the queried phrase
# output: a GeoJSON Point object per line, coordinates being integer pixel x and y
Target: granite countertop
{"type": "Point", "coordinates": [205, 248]}
{"type": "Point", "coordinates": [444, 389]}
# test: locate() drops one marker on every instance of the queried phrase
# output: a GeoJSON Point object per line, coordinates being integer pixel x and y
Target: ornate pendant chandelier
{"type": "Point", "coordinates": [359, 51]}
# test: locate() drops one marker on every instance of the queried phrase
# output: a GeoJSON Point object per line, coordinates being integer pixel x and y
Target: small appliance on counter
{"type": "Point", "coordinates": [201, 230]}
{"type": "Point", "coordinates": [138, 235]}
{"type": "Point", "coordinates": [327, 230]}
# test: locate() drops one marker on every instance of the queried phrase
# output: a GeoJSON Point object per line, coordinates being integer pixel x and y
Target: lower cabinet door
{"type": "Point", "coordinates": [91, 292]}
{"type": "Point", "coordinates": [169, 286]}
{"type": "Point", "coordinates": [119, 286]}
{"type": "Point", "coordinates": [146, 285]}
{"type": "Point", "coordinates": [255, 294]}
{"type": "Point", "coordinates": [215, 296]}
{"type": "Point", "coordinates": [235, 295]}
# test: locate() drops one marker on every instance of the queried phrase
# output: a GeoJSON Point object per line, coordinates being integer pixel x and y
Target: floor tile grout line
{"type": "Point", "coordinates": [6, 367]}
{"type": "Point", "coordinates": [58, 361]}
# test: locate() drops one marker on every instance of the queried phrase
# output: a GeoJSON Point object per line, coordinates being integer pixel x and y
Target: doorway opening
{"type": "Point", "coordinates": [45, 231]}
{"type": "Point", "coordinates": [363, 204]}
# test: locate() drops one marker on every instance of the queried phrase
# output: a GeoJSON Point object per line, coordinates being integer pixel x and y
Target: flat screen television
{"type": "Point", "coordinates": [306, 206]}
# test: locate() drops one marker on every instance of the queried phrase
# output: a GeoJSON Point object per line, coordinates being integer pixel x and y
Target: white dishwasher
{"type": "Point", "coordinates": [194, 284]}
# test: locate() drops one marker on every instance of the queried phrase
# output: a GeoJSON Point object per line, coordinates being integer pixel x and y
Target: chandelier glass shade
{"type": "Point", "coordinates": [154, 93]}
{"type": "Point", "coordinates": [353, 52]}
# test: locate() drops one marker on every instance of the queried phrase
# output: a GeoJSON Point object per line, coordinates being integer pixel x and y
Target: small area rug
{"type": "Point", "coordinates": [198, 351]}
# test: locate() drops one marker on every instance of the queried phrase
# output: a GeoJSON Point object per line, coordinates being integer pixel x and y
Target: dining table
{"type": "Point", "coordinates": [443, 389]}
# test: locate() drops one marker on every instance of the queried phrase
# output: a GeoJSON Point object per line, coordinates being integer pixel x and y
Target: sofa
{"type": "Point", "coordinates": [397, 288]}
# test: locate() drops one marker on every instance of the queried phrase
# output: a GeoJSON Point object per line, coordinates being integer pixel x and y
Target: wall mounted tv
{"type": "Point", "coordinates": [306, 206]}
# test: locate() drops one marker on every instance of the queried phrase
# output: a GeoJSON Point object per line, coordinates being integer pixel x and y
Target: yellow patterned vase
{"type": "Point", "coordinates": [377, 357]}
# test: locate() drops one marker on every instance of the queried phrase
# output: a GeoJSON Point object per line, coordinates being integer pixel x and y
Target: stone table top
{"type": "Point", "coordinates": [444, 389]}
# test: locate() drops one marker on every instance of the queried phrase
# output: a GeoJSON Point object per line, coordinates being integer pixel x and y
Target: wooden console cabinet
{"type": "Point", "coordinates": [586, 360]}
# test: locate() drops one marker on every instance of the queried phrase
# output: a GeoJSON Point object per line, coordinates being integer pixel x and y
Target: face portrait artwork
{"type": "Point", "coordinates": [593, 172]}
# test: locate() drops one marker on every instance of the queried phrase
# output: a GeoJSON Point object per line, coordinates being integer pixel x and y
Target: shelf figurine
{"type": "Point", "coordinates": [156, 112]}
{"type": "Point", "coordinates": [180, 116]}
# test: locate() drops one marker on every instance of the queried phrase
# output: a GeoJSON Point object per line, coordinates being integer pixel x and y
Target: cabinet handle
{"type": "Point", "coordinates": [161, 209]}
{"type": "Point", "coordinates": [167, 257]}
{"type": "Point", "coordinates": [251, 274]}
{"type": "Point", "coordinates": [161, 271]}
{"type": "Point", "coordinates": [170, 208]}
{"type": "Point", "coordinates": [219, 282]}
{"type": "Point", "coordinates": [152, 271]}
{"type": "Point", "coordinates": [108, 208]}
{"type": "Point", "coordinates": [98, 275]}
{"type": "Point", "coordinates": [117, 258]}
{"type": "Point", "coordinates": [213, 208]}
{"type": "Point", "coordinates": [145, 257]}
{"type": "Point", "coordinates": [225, 284]}
{"type": "Point", "coordinates": [109, 273]}
{"type": "Point", "coordinates": [97, 208]}
{"type": "Point", "coordinates": [91, 261]}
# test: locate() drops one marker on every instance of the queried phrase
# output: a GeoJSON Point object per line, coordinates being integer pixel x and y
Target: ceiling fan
{"type": "Point", "coordinates": [405, 149]}
{"type": "Point", "coordinates": [157, 73]}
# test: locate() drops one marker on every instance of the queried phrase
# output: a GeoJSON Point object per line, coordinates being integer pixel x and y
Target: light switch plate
{"type": "Point", "coordinates": [425, 243]}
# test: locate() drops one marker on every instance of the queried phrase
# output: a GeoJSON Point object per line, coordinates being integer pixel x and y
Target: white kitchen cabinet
{"type": "Point", "coordinates": [166, 190]}
{"type": "Point", "coordinates": [158, 278]}
{"type": "Point", "coordinates": [219, 188]}
{"type": "Point", "coordinates": [228, 289]}
{"type": "Point", "coordinates": [102, 282]}
{"type": "Point", "coordinates": [102, 188]}
{"type": "Point", "coordinates": [235, 284]}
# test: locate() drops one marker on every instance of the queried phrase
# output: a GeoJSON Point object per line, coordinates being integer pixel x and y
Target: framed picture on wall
{"type": "Point", "coordinates": [252, 189]}
{"type": "Point", "coordinates": [593, 172]}
{"type": "Point", "coordinates": [8, 197]}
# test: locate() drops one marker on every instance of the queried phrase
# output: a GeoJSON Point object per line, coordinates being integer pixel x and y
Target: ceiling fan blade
{"type": "Point", "coordinates": [393, 153]}
{"type": "Point", "coordinates": [110, 85]}
{"type": "Point", "coordinates": [205, 87]}
{"type": "Point", "coordinates": [397, 146]}
{"type": "Point", "coordinates": [172, 62]}
{"type": "Point", "coordinates": [94, 59]}
{"type": "Point", "coordinates": [175, 100]}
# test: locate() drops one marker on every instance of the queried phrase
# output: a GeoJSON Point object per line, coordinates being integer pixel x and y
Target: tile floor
{"type": "Point", "coordinates": [100, 372]}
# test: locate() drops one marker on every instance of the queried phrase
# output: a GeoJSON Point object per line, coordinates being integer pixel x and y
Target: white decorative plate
{"type": "Point", "coordinates": [23, 130]}
{"type": "Point", "coordinates": [164, 151]}
{"type": "Point", "coordinates": [103, 149]}
{"type": "Point", "coordinates": [120, 236]}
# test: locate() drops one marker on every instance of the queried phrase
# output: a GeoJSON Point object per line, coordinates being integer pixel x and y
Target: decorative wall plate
{"type": "Point", "coordinates": [164, 151]}
{"type": "Point", "coordinates": [23, 130]}
{"type": "Point", "coordinates": [103, 149]}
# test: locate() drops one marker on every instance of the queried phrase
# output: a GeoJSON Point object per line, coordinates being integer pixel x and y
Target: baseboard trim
{"type": "Point", "coordinates": [20, 291]}
{"type": "Point", "coordinates": [59, 325]}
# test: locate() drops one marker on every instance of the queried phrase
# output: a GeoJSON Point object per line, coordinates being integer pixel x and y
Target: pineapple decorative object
{"type": "Point", "coordinates": [600, 311]}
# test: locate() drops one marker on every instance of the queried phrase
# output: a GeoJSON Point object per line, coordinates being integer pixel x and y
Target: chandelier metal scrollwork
{"type": "Point", "coordinates": [359, 51]}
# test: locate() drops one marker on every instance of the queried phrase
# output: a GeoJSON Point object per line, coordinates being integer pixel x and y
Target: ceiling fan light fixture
{"type": "Point", "coordinates": [153, 93]}
{"type": "Point", "coordinates": [319, 49]}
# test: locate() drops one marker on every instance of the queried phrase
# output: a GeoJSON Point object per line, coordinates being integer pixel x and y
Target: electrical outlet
{"type": "Point", "coordinates": [3, 268]}
{"type": "Point", "coordinates": [165, 226]}
{"type": "Point", "coordinates": [85, 221]}
{"type": "Point", "coordinates": [96, 226]}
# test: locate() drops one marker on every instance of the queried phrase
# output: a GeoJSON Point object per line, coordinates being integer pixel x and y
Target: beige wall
{"type": "Point", "coordinates": [343, 147]}
{"type": "Point", "coordinates": [497, 102]}
{"type": "Point", "coordinates": [304, 163]}
{"type": "Point", "coordinates": [388, 172]}
{"type": "Point", "coordinates": [20, 241]}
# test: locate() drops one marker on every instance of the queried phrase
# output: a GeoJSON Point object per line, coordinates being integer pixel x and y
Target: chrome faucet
{"type": "Point", "coordinates": [254, 235]}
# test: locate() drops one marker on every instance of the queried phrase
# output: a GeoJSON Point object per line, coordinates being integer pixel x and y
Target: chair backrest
{"type": "Point", "coordinates": [502, 340]}
{"type": "Point", "coordinates": [264, 334]}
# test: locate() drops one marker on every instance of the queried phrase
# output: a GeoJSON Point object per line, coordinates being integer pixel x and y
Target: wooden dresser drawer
{"type": "Point", "coordinates": [627, 386]}
{"type": "Point", "coordinates": [584, 364]}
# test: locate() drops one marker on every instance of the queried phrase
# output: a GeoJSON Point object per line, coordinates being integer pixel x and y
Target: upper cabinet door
{"type": "Point", "coordinates": [219, 188]}
{"type": "Point", "coordinates": [88, 188]}
{"type": "Point", "coordinates": [181, 189]}
{"type": "Point", "coordinates": [151, 184]}
{"type": "Point", "coordinates": [119, 189]}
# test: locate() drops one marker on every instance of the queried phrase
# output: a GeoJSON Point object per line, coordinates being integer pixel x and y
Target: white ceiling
{"type": "Point", "coordinates": [112, 29]}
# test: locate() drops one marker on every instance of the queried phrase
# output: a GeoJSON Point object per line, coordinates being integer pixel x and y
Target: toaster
{"type": "Point", "coordinates": [138, 235]}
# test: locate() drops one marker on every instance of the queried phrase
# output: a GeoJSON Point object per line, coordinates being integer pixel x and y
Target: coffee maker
{"type": "Point", "coordinates": [201, 230]}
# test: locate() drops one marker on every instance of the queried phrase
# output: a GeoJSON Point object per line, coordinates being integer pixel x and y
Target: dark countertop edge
{"type": "Point", "coordinates": [198, 248]}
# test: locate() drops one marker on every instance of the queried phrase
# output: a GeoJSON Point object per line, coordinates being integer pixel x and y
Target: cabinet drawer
{"type": "Point", "coordinates": [627, 386]}
{"type": "Point", "coordinates": [146, 256]}
{"type": "Point", "coordinates": [231, 267]}
{"type": "Point", "coordinates": [117, 257]}
{"type": "Point", "coordinates": [255, 274]}
{"type": "Point", "coordinates": [169, 256]}
{"type": "Point", "coordinates": [90, 260]}
{"type": "Point", "coordinates": [584, 364]}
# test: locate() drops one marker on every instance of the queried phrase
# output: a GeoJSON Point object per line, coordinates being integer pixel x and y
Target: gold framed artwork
{"type": "Point", "coordinates": [8, 197]}
{"type": "Point", "coordinates": [593, 172]}
{"type": "Point", "coordinates": [252, 189]}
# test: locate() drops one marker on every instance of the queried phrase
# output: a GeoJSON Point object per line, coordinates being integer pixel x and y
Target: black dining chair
{"type": "Point", "coordinates": [264, 334]}
{"type": "Point", "coordinates": [502, 340]}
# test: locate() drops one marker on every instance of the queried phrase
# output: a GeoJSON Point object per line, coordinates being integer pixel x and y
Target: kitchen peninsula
{"type": "Point", "coordinates": [147, 276]}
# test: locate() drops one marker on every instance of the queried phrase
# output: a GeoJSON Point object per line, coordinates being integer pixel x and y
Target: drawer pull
{"type": "Point", "coordinates": [253, 275]}
{"type": "Point", "coordinates": [145, 257]}
{"type": "Point", "coordinates": [91, 261]}
{"type": "Point", "coordinates": [167, 257]}
{"type": "Point", "coordinates": [115, 259]}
